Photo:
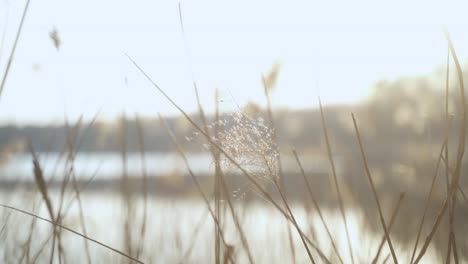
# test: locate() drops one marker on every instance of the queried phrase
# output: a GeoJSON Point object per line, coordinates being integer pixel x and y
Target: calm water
{"type": "Point", "coordinates": [109, 164]}
{"type": "Point", "coordinates": [175, 228]}
{"type": "Point", "coordinates": [172, 231]}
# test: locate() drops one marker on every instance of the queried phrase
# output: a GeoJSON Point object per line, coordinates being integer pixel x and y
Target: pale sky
{"type": "Point", "coordinates": [335, 50]}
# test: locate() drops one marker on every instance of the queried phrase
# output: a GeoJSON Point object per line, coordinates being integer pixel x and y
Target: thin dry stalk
{"type": "Point", "coordinates": [426, 207]}
{"type": "Point", "coordinates": [71, 230]}
{"type": "Point", "coordinates": [82, 218]}
{"type": "Point", "coordinates": [392, 221]}
{"type": "Point", "coordinates": [447, 174]}
{"type": "Point", "coordinates": [460, 152]}
{"type": "Point", "coordinates": [85, 185]}
{"type": "Point", "coordinates": [386, 259]}
{"type": "Point", "coordinates": [317, 207]}
{"type": "Point", "coordinates": [459, 189]}
{"type": "Point", "coordinates": [448, 258]}
{"type": "Point", "coordinates": [452, 244]}
{"type": "Point", "coordinates": [27, 244]}
{"type": "Point", "coordinates": [194, 236]}
{"type": "Point", "coordinates": [374, 192]}
{"type": "Point", "coordinates": [81, 211]}
{"type": "Point", "coordinates": [5, 26]}
{"type": "Point", "coordinates": [71, 135]}
{"type": "Point", "coordinates": [294, 222]}
{"type": "Point", "coordinates": [85, 131]}
{"type": "Point", "coordinates": [335, 180]}
{"type": "Point", "coordinates": [217, 159]}
{"type": "Point", "coordinates": [125, 188]}
{"type": "Point", "coordinates": [15, 44]}
{"type": "Point", "coordinates": [268, 83]}
{"type": "Point", "coordinates": [41, 249]}
{"type": "Point", "coordinates": [5, 223]}
{"type": "Point", "coordinates": [455, 252]}
{"type": "Point", "coordinates": [291, 244]}
{"type": "Point", "coordinates": [73, 151]}
{"type": "Point", "coordinates": [71, 138]}
{"type": "Point", "coordinates": [447, 119]}
{"type": "Point", "coordinates": [141, 144]}
{"type": "Point", "coordinates": [265, 194]}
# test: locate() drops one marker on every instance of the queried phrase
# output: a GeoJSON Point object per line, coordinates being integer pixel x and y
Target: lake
{"type": "Point", "coordinates": [178, 230]}
{"type": "Point", "coordinates": [181, 230]}
{"type": "Point", "coordinates": [109, 164]}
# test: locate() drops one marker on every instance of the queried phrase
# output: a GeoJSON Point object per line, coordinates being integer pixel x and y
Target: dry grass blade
{"type": "Point", "coordinates": [218, 174]}
{"type": "Point", "coordinates": [216, 157]}
{"type": "Point", "coordinates": [4, 30]}
{"type": "Point", "coordinates": [335, 180]}
{"type": "Point", "coordinates": [426, 207]}
{"type": "Point", "coordinates": [269, 82]}
{"type": "Point", "coordinates": [451, 243]}
{"type": "Point", "coordinates": [141, 144]}
{"type": "Point", "coordinates": [455, 252]}
{"type": "Point", "coordinates": [72, 231]}
{"type": "Point", "coordinates": [71, 137]}
{"type": "Point", "coordinates": [447, 119]}
{"type": "Point", "coordinates": [41, 249]}
{"type": "Point", "coordinates": [85, 185]}
{"type": "Point", "coordinates": [86, 131]}
{"type": "Point", "coordinates": [15, 44]}
{"type": "Point", "coordinates": [317, 207]}
{"type": "Point", "coordinates": [265, 194]}
{"type": "Point", "coordinates": [460, 190]}
{"type": "Point", "coordinates": [81, 211]}
{"type": "Point", "coordinates": [374, 192]}
{"type": "Point", "coordinates": [294, 222]}
{"type": "Point", "coordinates": [128, 205]}
{"type": "Point", "coordinates": [462, 135]}
{"type": "Point", "coordinates": [386, 258]}
{"type": "Point", "coordinates": [460, 153]}
{"type": "Point", "coordinates": [194, 236]}
{"type": "Point", "coordinates": [452, 239]}
{"type": "Point", "coordinates": [392, 221]}
{"type": "Point", "coordinates": [5, 223]}
{"type": "Point", "coordinates": [27, 244]}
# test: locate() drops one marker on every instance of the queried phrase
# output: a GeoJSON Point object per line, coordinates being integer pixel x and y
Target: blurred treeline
{"type": "Point", "coordinates": [398, 118]}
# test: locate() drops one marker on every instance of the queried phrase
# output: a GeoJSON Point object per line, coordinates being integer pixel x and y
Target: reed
{"type": "Point", "coordinates": [13, 50]}
{"type": "Point", "coordinates": [335, 181]}
{"type": "Point", "coordinates": [374, 192]}
{"type": "Point", "coordinates": [460, 153]}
